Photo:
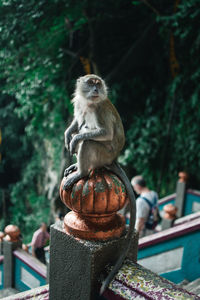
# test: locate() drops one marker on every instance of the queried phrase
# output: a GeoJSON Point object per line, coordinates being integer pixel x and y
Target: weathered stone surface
{"type": "Point", "coordinates": [8, 292]}
{"type": "Point", "coordinates": [193, 287]}
{"type": "Point", "coordinates": [76, 265]}
{"type": "Point", "coordinates": [40, 293]}
{"type": "Point", "coordinates": [180, 198]}
{"type": "Point", "coordinates": [1, 248]}
{"type": "Point", "coordinates": [167, 223]}
{"type": "Point", "coordinates": [8, 248]}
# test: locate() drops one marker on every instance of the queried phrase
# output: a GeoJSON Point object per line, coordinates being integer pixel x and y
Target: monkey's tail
{"type": "Point", "coordinates": [115, 168]}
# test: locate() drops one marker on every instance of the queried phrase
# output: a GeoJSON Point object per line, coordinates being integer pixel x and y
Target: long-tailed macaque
{"type": "Point", "coordinates": [96, 135]}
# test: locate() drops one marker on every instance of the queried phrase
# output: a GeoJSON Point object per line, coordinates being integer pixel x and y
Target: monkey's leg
{"type": "Point", "coordinates": [91, 155]}
{"type": "Point", "coordinates": [71, 180]}
{"type": "Point", "coordinates": [83, 160]}
{"type": "Point", "coordinates": [70, 169]}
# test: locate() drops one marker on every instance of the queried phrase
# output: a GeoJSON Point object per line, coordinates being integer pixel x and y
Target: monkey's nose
{"type": "Point", "coordinates": [95, 92]}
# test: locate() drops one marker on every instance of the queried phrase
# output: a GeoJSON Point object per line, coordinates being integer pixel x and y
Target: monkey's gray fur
{"type": "Point", "coordinates": [96, 135]}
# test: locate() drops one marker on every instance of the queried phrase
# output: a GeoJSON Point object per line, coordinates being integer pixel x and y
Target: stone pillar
{"type": "Point", "coordinates": [2, 234]}
{"type": "Point", "coordinates": [10, 243]}
{"type": "Point", "coordinates": [91, 237]}
{"type": "Point", "coordinates": [169, 216]}
{"type": "Point", "coordinates": [8, 248]}
{"type": "Point", "coordinates": [180, 193]}
{"type": "Point", "coordinates": [76, 265]}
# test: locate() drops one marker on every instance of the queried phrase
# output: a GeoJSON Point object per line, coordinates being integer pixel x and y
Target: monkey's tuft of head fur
{"type": "Point", "coordinates": [91, 87]}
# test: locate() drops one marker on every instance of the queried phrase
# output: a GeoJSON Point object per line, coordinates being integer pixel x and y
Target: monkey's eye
{"type": "Point", "coordinates": [98, 84]}
{"type": "Point", "coordinates": [90, 82]}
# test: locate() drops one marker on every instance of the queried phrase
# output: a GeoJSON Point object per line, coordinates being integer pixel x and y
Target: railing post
{"type": "Point", "coordinates": [76, 265]}
{"type": "Point", "coordinates": [180, 193]}
{"type": "Point", "coordinates": [169, 216]}
{"type": "Point", "coordinates": [10, 243]}
{"type": "Point", "coordinates": [2, 234]}
{"type": "Point", "coordinates": [91, 237]}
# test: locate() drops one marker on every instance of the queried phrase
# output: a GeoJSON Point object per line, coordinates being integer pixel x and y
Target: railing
{"type": "Point", "coordinates": [175, 252]}
{"type": "Point", "coordinates": [1, 272]}
{"type": "Point", "coordinates": [192, 201]}
{"type": "Point", "coordinates": [29, 272]}
{"type": "Point", "coordinates": [19, 269]}
{"type": "Point", "coordinates": [187, 218]}
{"type": "Point", "coordinates": [132, 282]}
{"type": "Point", "coordinates": [136, 282]}
{"type": "Point", "coordinates": [40, 293]}
{"type": "Point", "coordinates": [166, 200]}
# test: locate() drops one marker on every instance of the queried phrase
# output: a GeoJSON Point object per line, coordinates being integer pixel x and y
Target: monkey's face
{"type": "Point", "coordinates": [92, 88]}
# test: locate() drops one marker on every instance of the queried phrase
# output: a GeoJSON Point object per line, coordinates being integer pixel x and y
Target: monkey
{"type": "Point", "coordinates": [96, 135]}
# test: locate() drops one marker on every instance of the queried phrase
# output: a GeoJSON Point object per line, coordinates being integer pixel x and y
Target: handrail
{"type": "Point", "coordinates": [173, 196]}
{"type": "Point", "coordinates": [170, 233]}
{"type": "Point", "coordinates": [193, 192]}
{"type": "Point", "coordinates": [187, 218]}
{"type": "Point", "coordinates": [32, 262]}
{"type": "Point", "coordinates": [41, 292]}
{"type": "Point", "coordinates": [166, 199]}
{"type": "Point", "coordinates": [132, 281]}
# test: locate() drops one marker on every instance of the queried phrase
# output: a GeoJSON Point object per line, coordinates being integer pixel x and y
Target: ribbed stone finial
{"type": "Point", "coordinates": [94, 202]}
{"type": "Point", "coordinates": [12, 233]}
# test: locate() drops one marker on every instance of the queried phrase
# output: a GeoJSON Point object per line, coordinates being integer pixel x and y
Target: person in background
{"type": "Point", "coordinates": [40, 237]}
{"type": "Point", "coordinates": [146, 207]}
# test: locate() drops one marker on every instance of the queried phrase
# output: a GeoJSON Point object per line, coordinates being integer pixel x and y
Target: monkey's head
{"type": "Point", "coordinates": [91, 87]}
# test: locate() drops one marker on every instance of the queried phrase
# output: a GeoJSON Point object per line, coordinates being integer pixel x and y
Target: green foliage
{"type": "Point", "coordinates": [163, 140]}
{"type": "Point", "coordinates": [126, 42]}
{"type": "Point", "coordinates": [29, 208]}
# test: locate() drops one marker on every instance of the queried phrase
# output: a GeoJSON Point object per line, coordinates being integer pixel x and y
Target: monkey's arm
{"type": "Point", "coordinates": [99, 134]}
{"type": "Point", "coordinates": [69, 131]}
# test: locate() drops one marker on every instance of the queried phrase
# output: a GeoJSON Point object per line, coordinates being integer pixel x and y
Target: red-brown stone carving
{"type": "Point", "coordinates": [183, 177]}
{"type": "Point", "coordinates": [170, 211]}
{"type": "Point", "coordinates": [12, 233]}
{"type": "Point", "coordinates": [94, 202]}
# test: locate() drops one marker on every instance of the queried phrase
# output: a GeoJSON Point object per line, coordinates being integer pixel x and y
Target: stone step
{"type": "Point", "coordinates": [7, 292]}
{"type": "Point", "coordinates": [39, 293]}
{"type": "Point", "coordinates": [193, 287]}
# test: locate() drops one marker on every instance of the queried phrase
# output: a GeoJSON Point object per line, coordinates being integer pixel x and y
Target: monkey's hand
{"type": "Point", "coordinates": [68, 133]}
{"type": "Point", "coordinates": [68, 138]}
{"type": "Point", "coordinates": [73, 144]}
{"type": "Point", "coordinates": [70, 169]}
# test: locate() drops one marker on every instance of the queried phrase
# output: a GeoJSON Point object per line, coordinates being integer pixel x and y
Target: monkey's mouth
{"type": "Point", "coordinates": [95, 96]}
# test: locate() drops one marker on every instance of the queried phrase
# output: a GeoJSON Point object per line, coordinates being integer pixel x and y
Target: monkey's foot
{"type": "Point", "coordinates": [70, 169]}
{"type": "Point", "coordinates": [69, 182]}
{"type": "Point", "coordinates": [66, 186]}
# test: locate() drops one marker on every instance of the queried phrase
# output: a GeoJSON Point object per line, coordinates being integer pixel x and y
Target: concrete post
{"type": "Point", "coordinates": [76, 265]}
{"type": "Point", "coordinates": [1, 248]}
{"type": "Point", "coordinates": [166, 223]}
{"type": "Point", "coordinates": [2, 234]}
{"type": "Point", "coordinates": [169, 216]}
{"type": "Point", "coordinates": [8, 248]}
{"type": "Point", "coordinates": [180, 198]}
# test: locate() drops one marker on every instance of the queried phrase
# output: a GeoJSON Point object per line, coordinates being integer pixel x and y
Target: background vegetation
{"type": "Point", "coordinates": [148, 52]}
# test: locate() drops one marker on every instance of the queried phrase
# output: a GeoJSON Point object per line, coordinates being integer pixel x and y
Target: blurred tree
{"type": "Point", "coordinates": [15, 150]}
